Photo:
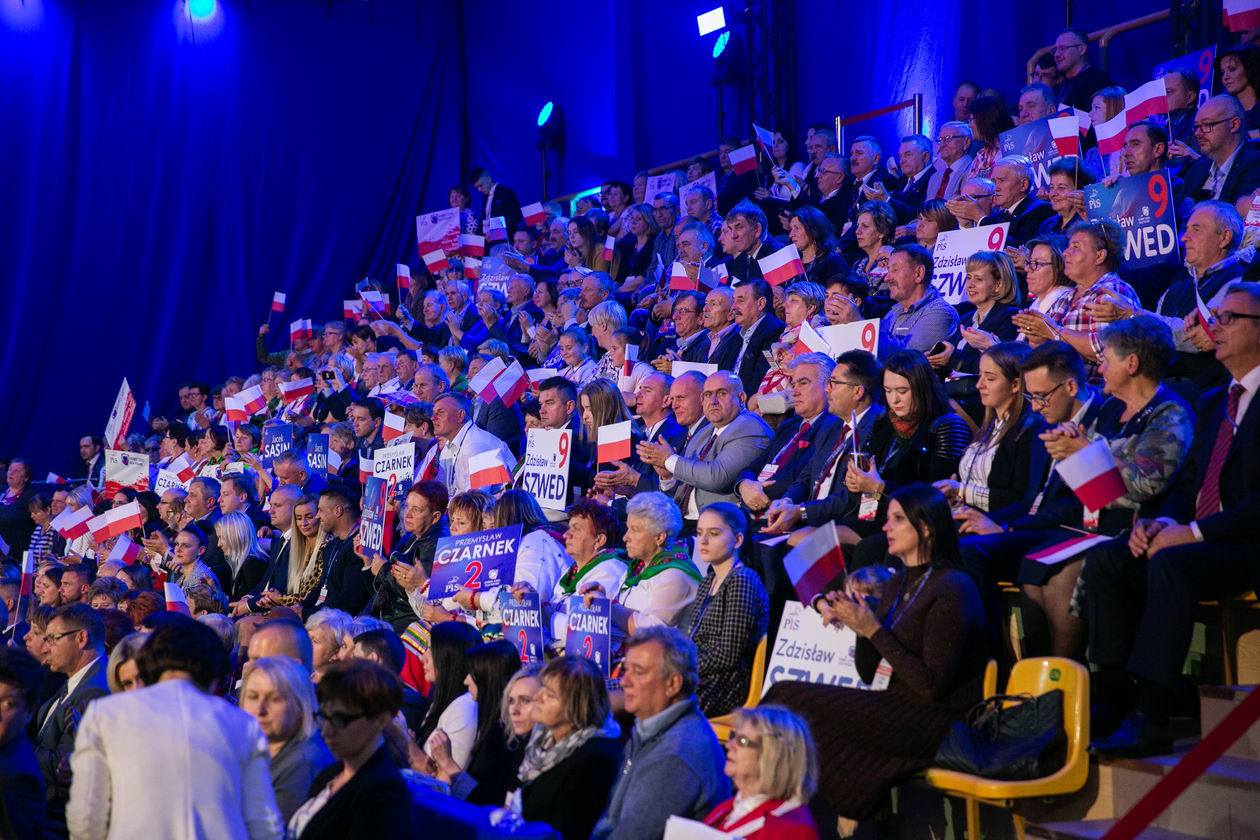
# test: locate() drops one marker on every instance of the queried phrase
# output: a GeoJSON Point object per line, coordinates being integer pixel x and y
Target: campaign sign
{"type": "Point", "coordinates": [397, 465]}
{"type": "Point", "coordinates": [476, 560]}
{"type": "Point", "coordinates": [1143, 207]}
{"type": "Point", "coordinates": [438, 231]}
{"type": "Point", "coordinates": [590, 631]}
{"type": "Point", "coordinates": [1034, 141]}
{"type": "Point", "coordinates": [125, 469]}
{"type": "Point", "coordinates": [317, 453]}
{"type": "Point", "coordinates": [806, 650]}
{"type": "Point", "coordinates": [275, 441]}
{"type": "Point", "coordinates": [949, 257]}
{"type": "Point", "coordinates": [522, 624]}
{"type": "Point", "coordinates": [372, 525]}
{"type": "Point", "coordinates": [166, 480]}
{"type": "Point", "coordinates": [657, 184]}
{"type": "Point", "coordinates": [1202, 62]}
{"type": "Point", "coordinates": [495, 274]}
{"type": "Point", "coordinates": [545, 468]}
{"type": "Point", "coordinates": [859, 335]}
{"type": "Point", "coordinates": [708, 180]}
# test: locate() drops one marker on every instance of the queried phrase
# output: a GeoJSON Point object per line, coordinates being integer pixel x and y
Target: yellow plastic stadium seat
{"type": "Point", "coordinates": [722, 724]}
{"type": "Point", "coordinates": [1035, 677]}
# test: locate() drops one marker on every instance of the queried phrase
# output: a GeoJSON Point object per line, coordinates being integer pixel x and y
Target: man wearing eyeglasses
{"type": "Point", "coordinates": [953, 161]}
{"type": "Point", "coordinates": [1229, 168]}
{"type": "Point", "coordinates": [1082, 80]}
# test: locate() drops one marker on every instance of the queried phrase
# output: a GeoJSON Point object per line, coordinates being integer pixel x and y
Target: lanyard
{"type": "Point", "coordinates": [891, 621]}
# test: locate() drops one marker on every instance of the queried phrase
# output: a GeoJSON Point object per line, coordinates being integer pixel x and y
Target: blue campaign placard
{"type": "Point", "coordinates": [1034, 141]}
{"type": "Point", "coordinates": [476, 560]}
{"type": "Point", "coordinates": [1201, 61]}
{"type": "Point", "coordinates": [522, 624]}
{"type": "Point", "coordinates": [317, 453]}
{"type": "Point", "coordinates": [1143, 207]}
{"type": "Point", "coordinates": [372, 524]}
{"type": "Point", "coordinates": [590, 631]}
{"type": "Point", "coordinates": [275, 440]}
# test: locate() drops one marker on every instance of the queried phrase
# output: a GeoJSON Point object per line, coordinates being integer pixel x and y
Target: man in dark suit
{"type": "Point", "coordinates": [758, 330]}
{"type": "Point", "coordinates": [500, 201]}
{"type": "Point", "coordinates": [283, 498]}
{"type": "Point", "coordinates": [1205, 545]}
{"type": "Point", "coordinates": [652, 403]}
{"type": "Point", "coordinates": [202, 504]}
{"type": "Point", "coordinates": [76, 648]}
{"type": "Point", "coordinates": [871, 179]}
{"type": "Point", "coordinates": [91, 450]}
{"type": "Point", "coordinates": [557, 404]}
{"type": "Point", "coordinates": [1229, 168]}
{"type": "Point", "coordinates": [687, 417]}
{"type": "Point", "coordinates": [686, 313]}
{"type": "Point", "coordinates": [914, 158]}
{"type": "Point", "coordinates": [503, 421]}
{"type": "Point", "coordinates": [1014, 202]}
{"type": "Point", "coordinates": [520, 299]}
{"type": "Point", "coordinates": [746, 231]}
{"type": "Point", "coordinates": [462, 311]}
{"type": "Point", "coordinates": [24, 791]}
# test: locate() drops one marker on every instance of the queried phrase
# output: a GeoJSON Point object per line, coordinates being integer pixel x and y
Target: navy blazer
{"type": "Point", "coordinates": [753, 365]}
{"type": "Point", "coordinates": [823, 433]}
{"type": "Point", "coordinates": [837, 503]}
{"type": "Point", "coordinates": [23, 789]}
{"type": "Point", "coordinates": [1243, 178]}
{"type": "Point", "coordinates": [966, 359]}
{"type": "Point", "coordinates": [1019, 464]}
{"type": "Point", "coordinates": [1025, 222]}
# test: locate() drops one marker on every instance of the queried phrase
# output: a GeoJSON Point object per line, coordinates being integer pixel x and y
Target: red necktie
{"type": "Point", "coordinates": [704, 453]}
{"type": "Point", "coordinates": [940, 191]}
{"type": "Point", "coordinates": [431, 471]}
{"type": "Point", "coordinates": [832, 460]}
{"type": "Point", "coordinates": [1210, 491]}
{"type": "Point", "coordinates": [792, 445]}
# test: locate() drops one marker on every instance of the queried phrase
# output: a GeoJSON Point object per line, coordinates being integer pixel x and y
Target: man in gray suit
{"type": "Point", "coordinates": [76, 648]}
{"type": "Point", "coordinates": [713, 459]}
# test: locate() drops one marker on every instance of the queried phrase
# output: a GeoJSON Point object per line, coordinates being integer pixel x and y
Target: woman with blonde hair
{"type": "Point", "coordinates": [239, 543]}
{"type": "Point", "coordinates": [308, 549]}
{"type": "Point", "coordinates": [773, 766]}
{"type": "Point", "coordinates": [992, 290]}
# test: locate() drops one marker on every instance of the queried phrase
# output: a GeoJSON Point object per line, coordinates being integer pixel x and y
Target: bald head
{"type": "Point", "coordinates": [1224, 117]}
{"type": "Point", "coordinates": [282, 500]}
{"type": "Point", "coordinates": [723, 398]}
{"type": "Point", "coordinates": [283, 637]}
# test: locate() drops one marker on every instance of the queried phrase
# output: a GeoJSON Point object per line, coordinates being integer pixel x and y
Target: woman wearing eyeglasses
{"type": "Point", "coordinates": [771, 761]}
{"type": "Point", "coordinates": [1049, 288]}
{"type": "Point", "coordinates": [363, 794]}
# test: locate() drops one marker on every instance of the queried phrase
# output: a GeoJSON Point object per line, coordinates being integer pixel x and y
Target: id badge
{"type": "Point", "coordinates": [323, 596]}
{"type": "Point", "coordinates": [868, 507]}
{"type": "Point", "coordinates": [883, 674]}
{"type": "Point", "coordinates": [1091, 518]}
{"type": "Point", "coordinates": [1032, 511]}
{"type": "Point", "coordinates": [767, 472]}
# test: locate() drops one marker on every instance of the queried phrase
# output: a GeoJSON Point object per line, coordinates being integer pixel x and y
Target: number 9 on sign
{"type": "Point", "coordinates": [997, 238]}
{"type": "Point", "coordinates": [1158, 191]}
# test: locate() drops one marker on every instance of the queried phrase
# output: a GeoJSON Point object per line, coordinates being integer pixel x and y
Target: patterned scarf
{"type": "Point", "coordinates": [673, 556]}
{"type": "Point", "coordinates": [544, 752]}
{"type": "Point", "coordinates": [569, 582]}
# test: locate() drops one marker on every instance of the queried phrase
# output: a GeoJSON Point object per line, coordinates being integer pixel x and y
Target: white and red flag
{"type": "Point", "coordinates": [277, 302]}
{"type": "Point", "coordinates": [534, 214]}
{"type": "Point", "coordinates": [293, 391]}
{"type": "Point", "coordinates": [403, 272]}
{"type": "Point", "coordinates": [496, 229]}
{"type": "Point", "coordinates": [632, 356]}
{"type": "Point", "coordinates": [483, 383]}
{"type": "Point", "coordinates": [744, 159]}
{"type": "Point", "coordinates": [1241, 14]}
{"type": "Point", "coordinates": [254, 400]}
{"type": "Point", "coordinates": [394, 426]}
{"type": "Point", "coordinates": [176, 600]}
{"type": "Point", "coordinates": [1093, 475]}
{"type": "Point", "coordinates": [235, 408]}
{"type": "Point", "coordinates": [1059, 552]}
{"type": "Point", "coordinates": [53, 478]}
{"type": "Point", "coordinates": [812, 564]}
{"type": "Point", "coordinates": [781, 266]}
{"type": "Point", "coordinates": [487, 468]}
{"type": "Point", "coordinates": [352, 309]}
{"type": "Point", "coordinates": [614, 442]}
{"type": "Point", "coordinates": [27, 586]}
{"type": "Point", "coordinates": [374, 299]}
{"type": "Point", "coordinates": [512, 384]}
{"type": "Point", "coordinates": [73, 524]}
{"type": "Point", "coordinates": [809, 341]}
{"type": "Point", "coordinates": [125, 551]}
{"type": "Point", "coordinates": [1147, 101]}
{"type": "Point", "coordinates": [472, 245]}
{"type": "Point", "coordinates": [472, 268]}
{"type": "Point", "coordinates": [766, 137]}
{"type": "Point", "coordinates": [1111, 133]}
{"type": "Point", "coordinates": [366, 468]}
{"type": "Point", "coordinates": [435, 261]}
{"type": "Point", "coordinates": [120, 417]}
{"type": "Point", "coordinates": [610, 248]}
{"type": "Point", "coordinates": [115, 521]}
{"type": "Point", "coordinates": [678, 279]}
{"type": "Point", "coordinates": [301, 328]}
{"type": "Point", "coordinates": [182, 466]}
{"type": "Point", "coordinates": [1067, 140]}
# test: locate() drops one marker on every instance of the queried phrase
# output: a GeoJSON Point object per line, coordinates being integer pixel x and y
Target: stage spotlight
{"type": "Point", "coordinates": [728, 60]}
{"type": "Point", "coordinates": [719, 46]}
{"type": "Point", "coordinates": [711, 21]}
{"type": "Point", "coordinates": [551, 127]}
{"type": "Point", "coordinates": [201, 9]}
{"type": "Point", "coordinates": [545, 114]}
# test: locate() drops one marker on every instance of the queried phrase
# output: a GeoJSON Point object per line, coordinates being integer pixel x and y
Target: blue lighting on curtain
{"type": "Point", "coordinates": [201, 9]}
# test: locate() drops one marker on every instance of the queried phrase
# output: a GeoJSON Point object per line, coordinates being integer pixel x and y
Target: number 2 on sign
{"type": "Point", "coordinates": [474, 571]}
{"type": "Point", "coordinates": [524, 646]}
{"type": "Point", "coordinates": [587, 646]}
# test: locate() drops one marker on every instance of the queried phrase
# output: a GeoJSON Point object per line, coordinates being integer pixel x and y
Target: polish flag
{"type": "Point", "coordinates": [1083, 122]}
{"type": "Point", "coordinates": [744, 160]}
{"type": "Point", "coordinates": [435, 261]}
{"type": "Point", "coordinates": [253, 399]}
{"type": "Point", "coordinates": [1205, 314]}
{"type": "Point", "coordinates": [1241, 14]}
{"type": "Point", "coordinates": [1066, 139]}
{"type": "Point", "coordinates": [487, 468]}
{"type": "Point", "coordinates": [809, 341]}
{"type": "Point", "coordinates": [632, 356]}
{"type": "Point", "coordinates": [472, 268]}
{"type": "Point", "coordinates": [812, 564]}
{"type": "Point", "coordinates": [366, 468]}
{"type": "Point", "coordinates": [115, 521]}
{"type": "Point", "coordinates": [614, 442]}
{"type": "Point", "coordinates": [27, 587]}
{"type": "Point", "coordinates": [610, 248]}
{"type": "Point", "coordinates": [293, 391]}
{"type": "Point", "coordinates": [1059, 552]}
{"type": "Point", "coordinates": [679, 281]}
{"type": "Point", "coordinates": [765, 137]}
{"type": "Point", "coordinates": [472, 245]}
{"type": "Point", "coordinates": [301, 328]}
{"type": "Point", "coordinates": [1111, 133]}
{"type": "Point", "coordinates": [1093, 475]}
{"type": "Point", "coordinates": [125, 551]}
{"type": "Point", "coordinates": [538, 376]}
{"type": "Point", "coordinates": [512, 384]}
{"type": "Point", "coordinates": [374, 299]}
{"type": "Point", "coordinates": [534, 214]}
{"type": "Point", "coordinates": [403, 272]}
{"type": "Point", "coordinates": [394, 426]}
{"type": "Point", "coordinates": [352, 309]}
{"type": "Point", "coordinates": [721, 272]}
{"type": "Point", "coordinates": [176, 601]}
{"type": "Point", "coordinates": [53, 478]}
{"type": "Point", "coordinates": [277, 302]}
{"type": "Point", "coordinates": [73, 524]}
{"type": "Point", "coordinates": [483, 383]}
{"type": "Point", "coordinates": [1147, 101]}
{"type": "Point", "coordinates": [235, 409]}
{"type": "Point", "coordinates": [496, 229]}
{"type": "Point", "coordinates": [182, 466]}
{"type": "Point", "coordinates": [781, 266]}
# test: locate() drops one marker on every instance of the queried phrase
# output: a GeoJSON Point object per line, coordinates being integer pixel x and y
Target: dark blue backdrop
{"type": "Point", "coordinates": [160, 181]}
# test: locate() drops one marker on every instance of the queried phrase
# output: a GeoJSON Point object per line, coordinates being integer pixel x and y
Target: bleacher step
{"type": "Point", "coordinates": [1222, 803]}
{"type": "Point", "coordinates": [1095, 829]}
{"type": "Point", "coordinates": [1215, 702]}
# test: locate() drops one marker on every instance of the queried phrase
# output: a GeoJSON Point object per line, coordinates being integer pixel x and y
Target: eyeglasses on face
{"type": "Point", "coordinates": [337, 720]}
{"type": "Point", "coordinates": [745, 742]}
{"type": "Point", "coordinates": [1226, 317]}
{"type": "Point", "coordinates": [1207, 125]}
{"type": "Point", "coordinates": [1043, 399]}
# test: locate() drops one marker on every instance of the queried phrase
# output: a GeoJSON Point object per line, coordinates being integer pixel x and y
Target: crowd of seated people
{"type": "Point", "coordinates": [363, 699]}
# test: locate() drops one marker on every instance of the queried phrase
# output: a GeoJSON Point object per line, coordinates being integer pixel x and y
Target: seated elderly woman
{"type": "Point", "coordinates": [773, 766]}
{"type": "Point", "coordinates": [730, 613]}
{"type": "Point", "coordinates": [362, 794]}
{"type": "Point", "coordinates": [661, 581]}
{"type": "Point", "coordinates": [802, 303]}
{"type": "Point", "coordinates": [330, 638]}
{"type": "Point", "coordinates": [874, 230]}
{"type": "Point", "coordinates": [605, 319]}
{"type": "Point", "coordinates": [1148, 429]}
{"type": "Point", "coordinates": [277, 691]}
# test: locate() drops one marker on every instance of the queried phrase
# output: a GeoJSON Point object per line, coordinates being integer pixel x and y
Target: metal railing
{"type": "Point", "coordinates": [915, 102]}
{"type": "Point", "coordinates": [1104, 38]}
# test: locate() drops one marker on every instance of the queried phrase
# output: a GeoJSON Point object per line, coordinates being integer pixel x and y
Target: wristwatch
{"type": "Point", "coordinates": [803, 513]}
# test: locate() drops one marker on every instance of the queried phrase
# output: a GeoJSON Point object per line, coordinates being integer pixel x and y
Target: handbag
{"type": "Point", "coordinates": [1008, 737]}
